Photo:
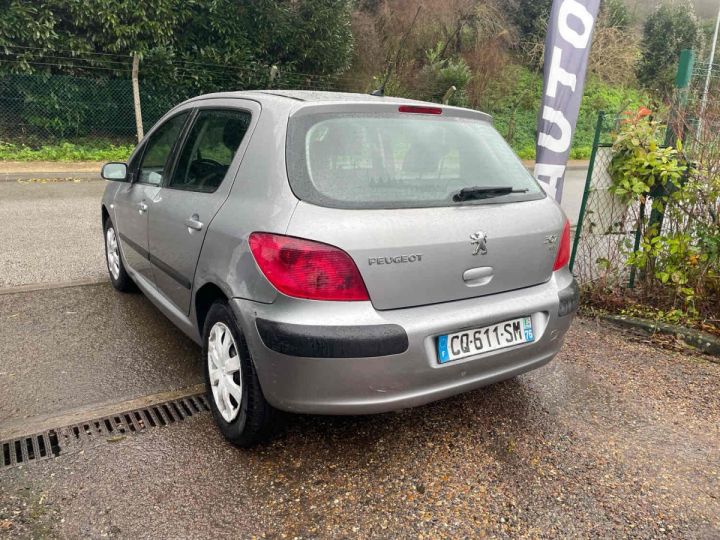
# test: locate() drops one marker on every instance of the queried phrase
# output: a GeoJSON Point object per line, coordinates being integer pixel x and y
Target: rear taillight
{"type": "Point", "coordinates": [307, 269]}
{"type": "Point", "coordinates": [563, 254]}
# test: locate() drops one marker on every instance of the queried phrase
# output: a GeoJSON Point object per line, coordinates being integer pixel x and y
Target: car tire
{"type": "Point", "coordinates": [119, 277]}
{"type": "Point", "coordinates": [243, 415]}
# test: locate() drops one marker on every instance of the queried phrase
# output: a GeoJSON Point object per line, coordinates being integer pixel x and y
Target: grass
{"type": "Point", "coordinates": [66, 151]}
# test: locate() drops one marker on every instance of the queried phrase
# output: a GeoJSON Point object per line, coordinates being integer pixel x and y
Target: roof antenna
{"type": "Point", "coordinates": [380, 92]}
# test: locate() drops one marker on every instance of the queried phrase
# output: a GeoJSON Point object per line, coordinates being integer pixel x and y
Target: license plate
{"type": "Point", "coordinates": [481, 340]}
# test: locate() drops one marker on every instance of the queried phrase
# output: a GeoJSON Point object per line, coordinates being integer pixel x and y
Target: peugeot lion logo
{"type": "Point", "coordinates": [479, 242]}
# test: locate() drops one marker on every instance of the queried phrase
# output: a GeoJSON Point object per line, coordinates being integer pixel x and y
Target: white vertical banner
{"type": "Point", "coordinates": [567, 48]}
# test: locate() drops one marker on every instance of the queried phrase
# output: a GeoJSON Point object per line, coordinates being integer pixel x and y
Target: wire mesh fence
{"type": "Point", "coordinates": [61, 96]}
{"type": "Point", "coordinates": [608, 227]}
{"type": "Point", "coordinates": [65, 106]}
{"type": "Point", "coordinates": [55, 106]}
{"type": "Point", "coordinates": [41, 106]}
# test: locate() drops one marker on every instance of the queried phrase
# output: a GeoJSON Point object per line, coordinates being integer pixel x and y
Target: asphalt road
{"type": "Point", "coordinates": [575, 178]}
{"type": "Point", "coordinates": [615, 438]}
{"type": "Point", "coordinates": [50, 233]}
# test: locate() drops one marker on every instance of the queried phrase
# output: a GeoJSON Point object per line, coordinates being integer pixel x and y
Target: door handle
{"type": "Point", "coordinates": [142, 208]}
{"type": "Point", "coordinates": [194, 223]}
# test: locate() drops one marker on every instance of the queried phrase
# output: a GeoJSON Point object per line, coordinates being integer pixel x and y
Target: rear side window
{"type": "Point", "coordinates": [209, 149]}
{"type": "Point", "coordinates": [400, 161]}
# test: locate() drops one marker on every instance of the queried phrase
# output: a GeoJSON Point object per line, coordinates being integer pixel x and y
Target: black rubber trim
{"type": "Point", "coordinates": [169, 270]}
{"type": "Point", "coordinates": [569, 299]}
{"type": "Point", "coordinates": [333, 341]}
{"type": "Point", "coordinates": [142, 251]}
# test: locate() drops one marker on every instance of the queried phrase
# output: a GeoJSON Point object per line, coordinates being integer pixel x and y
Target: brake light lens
{"type": "Point", "coordinates": [306, 269]}
{"type": "Point", "coordinates": [563, 254]}
{"type": "Point", "coordinates": [419, 109]}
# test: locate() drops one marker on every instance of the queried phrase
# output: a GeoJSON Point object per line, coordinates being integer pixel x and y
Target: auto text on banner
{"type": "Point", "coordinates": [567, 48]}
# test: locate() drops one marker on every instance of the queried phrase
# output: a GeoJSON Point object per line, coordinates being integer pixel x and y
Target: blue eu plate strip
{"type": "Point", "coordinates": [443, 348]}
{"type": "Point", "coordinates": [527, 328]}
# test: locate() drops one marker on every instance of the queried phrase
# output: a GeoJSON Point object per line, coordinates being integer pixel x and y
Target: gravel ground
{"type": "Point", "coordinates": [51, 232]}
{"type": "Point", "coordinates": [615, 438]}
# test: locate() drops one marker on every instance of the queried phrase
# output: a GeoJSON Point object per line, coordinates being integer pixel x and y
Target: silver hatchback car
{"type": "Point", "coordinates": [339, 253]}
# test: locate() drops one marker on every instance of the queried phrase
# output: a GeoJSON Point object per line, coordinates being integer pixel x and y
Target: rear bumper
{"type": "Point", "coordinates": [348, 358]}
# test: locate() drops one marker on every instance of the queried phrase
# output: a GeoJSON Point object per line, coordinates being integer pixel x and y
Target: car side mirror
{"type": "Point", "coordinates": [115, 171]}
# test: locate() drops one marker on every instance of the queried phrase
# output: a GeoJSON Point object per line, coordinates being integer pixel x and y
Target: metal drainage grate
{"type": "Point", "coordinates": [53, 442]}
{"type": "Point", "coordinates": [33, 448]}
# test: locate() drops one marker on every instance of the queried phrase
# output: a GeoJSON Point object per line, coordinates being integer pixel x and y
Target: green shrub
{"type": "Point", "coordinates": [515, 110]}
{"type": "Point", "coordinates": [440, 74]}
{"type": "Point", "coordinates": [679, 263]}
{"type": "Point", "coordinates": [640, 163]}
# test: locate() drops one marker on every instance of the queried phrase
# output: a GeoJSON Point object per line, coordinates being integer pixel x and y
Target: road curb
{"type": "Point", "coordinates": [48, 178]}
{"type": "Point", "coordinates": [702, 341]}
{"type": "Point", "coordinates": [21, 427]}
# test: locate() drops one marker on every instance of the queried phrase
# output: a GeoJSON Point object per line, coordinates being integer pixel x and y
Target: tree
{"type": "Point", "coordinates": [53, 34]}
{"type": "Point", "coordinates": [308, 36]}
{"type": "Point", "coordinates": [615, 14]}
{"type": "Point", "coordinates": [616, 45]}
{"type": "Point", "coordinates": [188, 47]}
{"type": "Point", "coordinates": [669, 30]}
{"type": "Point", "coordinates": [530, 17]}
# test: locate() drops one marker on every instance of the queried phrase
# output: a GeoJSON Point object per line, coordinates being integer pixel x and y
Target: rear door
{"type": "Point", "coordinates": [183, 209]}
{"type": "Point", "coordinates": [379, 183]}
{"type": "Point", "coordinates": [132, 199]}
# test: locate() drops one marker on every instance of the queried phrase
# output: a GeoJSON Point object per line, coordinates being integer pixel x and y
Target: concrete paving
{"type": "Point", "coordinates": [573, 192]}
{"type": "Point", "coordinates": [39, 177]}
{"type": "Point", "coordinates": [10, 168]}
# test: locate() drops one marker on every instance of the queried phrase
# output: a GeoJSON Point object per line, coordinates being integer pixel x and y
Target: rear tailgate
{"type": "Point", "coordinates": [417, 256]}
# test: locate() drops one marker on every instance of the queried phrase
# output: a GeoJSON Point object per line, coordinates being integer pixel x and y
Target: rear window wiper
{"type": "Point", "coordinates": [472, 193]}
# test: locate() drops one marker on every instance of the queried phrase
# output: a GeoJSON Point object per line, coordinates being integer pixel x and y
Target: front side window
{"type": "Point", "coordinates": [209, 150]}
{"type": "Point", "coordinates": [157, 150]}
{"type": "Point", "coordinates": [400, 161]}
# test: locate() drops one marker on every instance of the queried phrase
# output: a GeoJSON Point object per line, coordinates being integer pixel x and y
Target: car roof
{"type": "Point", "coordinates": [314, 96]}
{"type": "Point", "coordinates": [297, 98]}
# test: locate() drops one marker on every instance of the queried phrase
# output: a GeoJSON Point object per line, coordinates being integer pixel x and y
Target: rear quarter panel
{"type": "Point", "coordinates": [260, 200]}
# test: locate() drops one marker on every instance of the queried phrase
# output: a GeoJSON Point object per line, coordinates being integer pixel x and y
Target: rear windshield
{"type": "Point", "coordinates": [400, 161]}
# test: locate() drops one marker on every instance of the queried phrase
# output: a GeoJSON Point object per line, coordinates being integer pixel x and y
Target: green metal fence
{"type": "Point", "coordinates": [607, 228]}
